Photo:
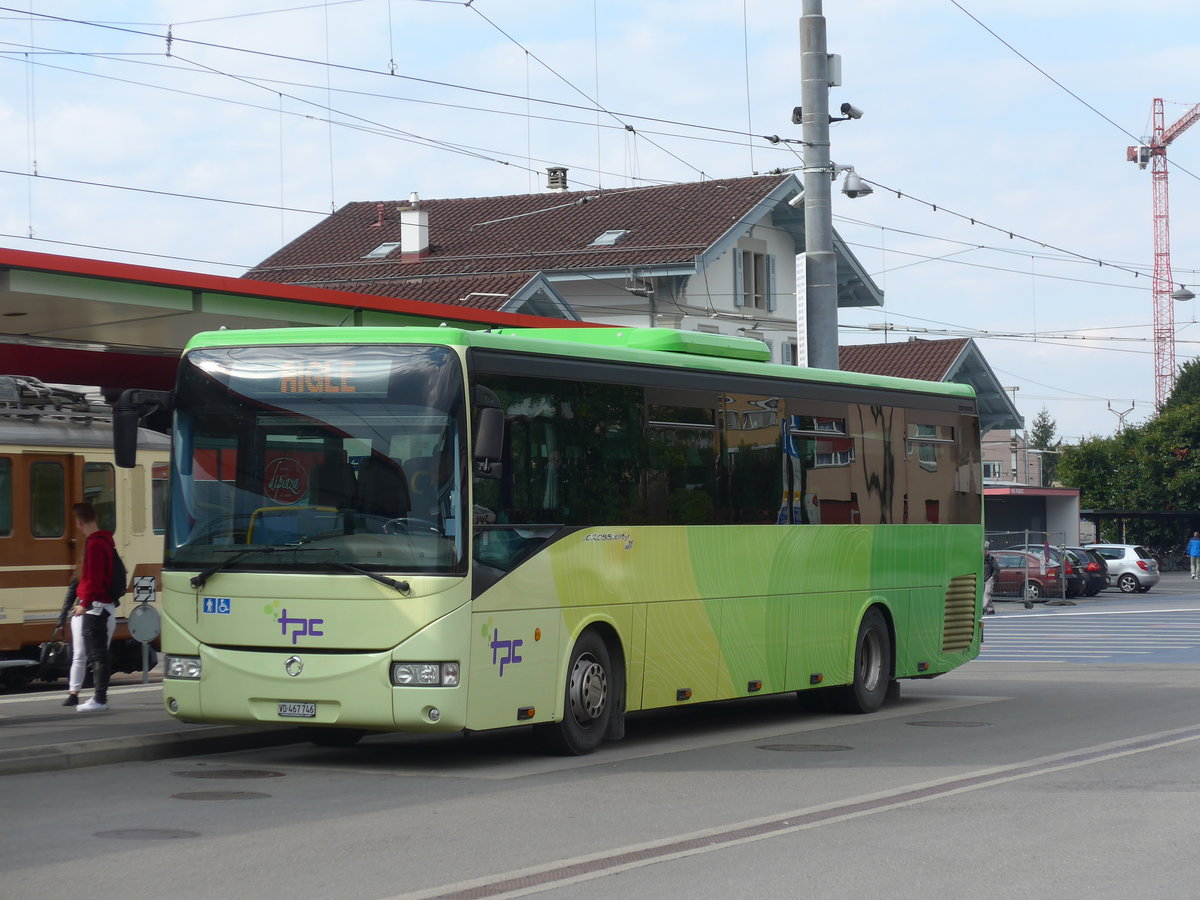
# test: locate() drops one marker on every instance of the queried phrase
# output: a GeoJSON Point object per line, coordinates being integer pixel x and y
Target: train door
{"type": "Point", "coordinates": [43, 497]}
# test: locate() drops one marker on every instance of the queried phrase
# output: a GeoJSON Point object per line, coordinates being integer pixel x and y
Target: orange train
{"type": "Point", "coordinates": [56, 450]}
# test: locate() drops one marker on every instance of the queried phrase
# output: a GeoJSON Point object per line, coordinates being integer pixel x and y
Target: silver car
{"type": "Point", "coordinates": [1130, 567]}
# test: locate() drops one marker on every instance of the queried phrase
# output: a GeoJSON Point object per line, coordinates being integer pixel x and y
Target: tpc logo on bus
{"type": "Point", "coordinates": [300, 627]}
{"type": "Point", "coordinates": [504, 653]}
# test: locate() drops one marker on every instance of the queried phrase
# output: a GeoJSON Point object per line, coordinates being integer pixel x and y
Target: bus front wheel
{"type": "Point", "coordinates": [588, 702]}
{"type": "Point", "coordinates": [872, 666]}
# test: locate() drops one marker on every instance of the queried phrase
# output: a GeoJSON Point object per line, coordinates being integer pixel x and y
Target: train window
{"type": "Point", "coordinates": [158, 497]}
{"type": "Point", "coordinates": [137, 506]}
{"type": "Point", "coordinates": [6, 496]}
{"type": "Point", "coordinates": [100, 490]}
{"type": "Point", "coordinates": [47, 500]}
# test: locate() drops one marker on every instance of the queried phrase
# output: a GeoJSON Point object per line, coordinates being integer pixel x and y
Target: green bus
{"type": "Point", "coordinates": [429, 529]}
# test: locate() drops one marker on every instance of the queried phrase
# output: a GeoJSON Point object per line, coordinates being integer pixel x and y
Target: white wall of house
{"type": "Point", "coordinates": [721, 299]}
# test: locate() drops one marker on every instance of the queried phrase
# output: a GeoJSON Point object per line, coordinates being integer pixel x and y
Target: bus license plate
{"type": "Point", "coordinates": [298, 710]}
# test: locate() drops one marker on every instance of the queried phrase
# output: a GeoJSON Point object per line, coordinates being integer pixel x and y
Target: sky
{"type": "Point", "coordinates": [203, 137]}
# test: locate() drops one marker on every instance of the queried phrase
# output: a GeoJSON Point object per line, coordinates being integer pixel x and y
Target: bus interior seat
{"type": "Point", "coordinates": [332, 484]}
{"type": "Point", "coordinates": [382, 488]}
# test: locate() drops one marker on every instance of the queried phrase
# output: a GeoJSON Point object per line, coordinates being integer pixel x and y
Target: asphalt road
{"type": "Point", "coordinates": [1006, 778]}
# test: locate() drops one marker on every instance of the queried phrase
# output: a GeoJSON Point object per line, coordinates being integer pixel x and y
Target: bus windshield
{"type": "Point", "coordinates": [322, 457]}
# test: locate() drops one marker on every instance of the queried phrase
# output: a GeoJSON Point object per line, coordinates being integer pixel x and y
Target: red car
{"type": "Point", "coordinates": [1021, 574]}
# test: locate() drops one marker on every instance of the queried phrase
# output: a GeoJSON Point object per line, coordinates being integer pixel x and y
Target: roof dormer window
{"type": "Point", "coordinates": [609, 238]}
{"type": "Point", "coordinates": [381, 251]}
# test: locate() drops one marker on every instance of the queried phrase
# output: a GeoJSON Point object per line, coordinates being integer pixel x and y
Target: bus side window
{"type": "Point", "coordinates": [681, 476]}
{"type": "Point", "coordinates": [821, 453]}
{"type": "Point", "coordinates": [751, 459]}
{"type": "Point", "coordinates": [933, 469]}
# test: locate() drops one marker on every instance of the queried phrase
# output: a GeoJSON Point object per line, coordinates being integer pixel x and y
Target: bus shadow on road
{"type": "Point", "coordinates": [515, 752]}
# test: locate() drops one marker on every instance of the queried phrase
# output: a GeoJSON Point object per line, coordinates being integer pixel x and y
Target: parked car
{"type": "Point", "coordinates": [1022, 574]}
{"type": "Point", "coordinates": [1130, 566]}
{"type": "Point", "coordinates": [1076, 574]}
{"type": "Point", "coordinates": [1094, 569]}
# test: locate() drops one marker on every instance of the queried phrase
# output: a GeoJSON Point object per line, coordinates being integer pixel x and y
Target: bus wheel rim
{"type": "Point", "coordinates": [871, 656]}
{"type": "Point", "coordinates": [589, 689]}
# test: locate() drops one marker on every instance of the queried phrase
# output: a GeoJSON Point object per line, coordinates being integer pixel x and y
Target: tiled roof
{"type": "Point", "coordinates": [476, 291]}
{"type": "Point", "coordinates": [667, 225]}
{"type": "Point", "coordinates": [924, 360]}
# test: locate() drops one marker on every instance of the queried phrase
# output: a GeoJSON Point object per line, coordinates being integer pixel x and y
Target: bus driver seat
{"type": "Point", "coordinates": [331, 484]}
{"type": "Point", "coordinates": [382, 488]}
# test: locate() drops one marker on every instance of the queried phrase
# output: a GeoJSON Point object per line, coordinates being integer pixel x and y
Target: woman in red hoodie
{"type": "Point", "coordinates": [94, 604]}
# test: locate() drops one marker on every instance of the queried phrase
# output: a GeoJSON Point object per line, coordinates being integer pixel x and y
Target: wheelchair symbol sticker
{"type": "Point", "coordinates": [220, 606]}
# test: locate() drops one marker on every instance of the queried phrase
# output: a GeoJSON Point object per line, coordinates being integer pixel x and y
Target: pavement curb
{"type": "Point", "coordinates": [162, 745]}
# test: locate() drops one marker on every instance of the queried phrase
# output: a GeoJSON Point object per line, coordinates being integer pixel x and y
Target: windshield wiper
{"type": "Point", "coordinates": [199, 580]}
{"type": "Point", "coordinates": [401, 586]}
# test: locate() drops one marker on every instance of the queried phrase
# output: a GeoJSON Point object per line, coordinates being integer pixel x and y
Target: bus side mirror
{"type": "Point", "coordinates": [133, 406]}
{"type": "Point", "coordinates": [489, 432]}
{"type": "Point", "coordinates": [489, 442]}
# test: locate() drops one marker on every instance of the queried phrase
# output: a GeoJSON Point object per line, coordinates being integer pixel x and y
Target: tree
{"type": "Point", "coordinates": [1151, 467]}
{"type": "Point", "coordinates": [1043, 436]}
{"type": "Point", "coordinates": [1187, 386]}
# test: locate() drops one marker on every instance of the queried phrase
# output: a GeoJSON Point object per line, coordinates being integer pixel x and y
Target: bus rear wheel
{"type": "Point", "coordinates": [872, 666]}
{"type": "Point", "coordinates": [588, 703]}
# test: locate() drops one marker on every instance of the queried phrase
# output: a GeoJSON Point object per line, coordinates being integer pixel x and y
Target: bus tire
{"type": "Point", "coordinates": [588, 702]}
{"type": "Point", "coordinates": [872, 666]}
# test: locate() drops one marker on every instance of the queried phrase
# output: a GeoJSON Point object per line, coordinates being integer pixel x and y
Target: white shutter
{"type": "Point", "coordinates": [770, 287]}
{"type": "Point", "coordinates": [739, 283]}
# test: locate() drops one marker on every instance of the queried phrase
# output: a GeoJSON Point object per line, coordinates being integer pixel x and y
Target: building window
{"type": "Point", "coordinates": [609, 237]}
{"type": "Point", "coordinates": [993, 471]}
{"type": "Point", "coordinates": [381, 251]}
{"type": "Point", "coordinates": [791, 355]}
{"type": "Point", "coordinates": [754, 279]}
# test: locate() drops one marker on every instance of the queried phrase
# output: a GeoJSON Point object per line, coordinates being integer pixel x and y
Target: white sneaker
{"type": "Point", "coordinates": [91, 706]}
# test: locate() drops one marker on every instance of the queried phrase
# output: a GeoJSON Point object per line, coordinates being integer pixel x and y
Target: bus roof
{"type": "Point", "coordinates": [647, 346]}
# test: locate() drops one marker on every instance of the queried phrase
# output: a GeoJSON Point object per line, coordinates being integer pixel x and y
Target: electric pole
{"type": "Point", "coordinates": [820, 266]}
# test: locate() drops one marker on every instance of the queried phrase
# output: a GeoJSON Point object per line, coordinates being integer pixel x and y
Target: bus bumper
{"type": "Point", "coordinates": [333, 689]}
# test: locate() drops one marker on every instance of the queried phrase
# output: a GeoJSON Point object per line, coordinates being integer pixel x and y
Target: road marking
{"type": "Point", "coordinates": [1114, 612]}
{"type": "Point", "coordinates": [562, 873]}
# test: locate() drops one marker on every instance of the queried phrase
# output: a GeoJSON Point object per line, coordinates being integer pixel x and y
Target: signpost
{"type": "Point", "coordinates": [144, 620]}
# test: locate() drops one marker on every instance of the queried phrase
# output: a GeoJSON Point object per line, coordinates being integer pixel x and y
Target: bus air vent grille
{"type": "Point", "coordinates": [958, 627]}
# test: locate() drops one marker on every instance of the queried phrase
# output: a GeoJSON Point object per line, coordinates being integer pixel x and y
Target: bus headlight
{"type": "Point", "coordinates": [181, 667]}
{"type": "Point", "coordinates": [425, 674]}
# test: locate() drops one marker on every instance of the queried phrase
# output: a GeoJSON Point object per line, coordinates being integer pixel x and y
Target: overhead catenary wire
{"type": "Point", "coordinates": [1055, 81]}
{"type": "Point", "coordinates": [450, 146]}
{"type": "Point", "coordinates": [454, 148]}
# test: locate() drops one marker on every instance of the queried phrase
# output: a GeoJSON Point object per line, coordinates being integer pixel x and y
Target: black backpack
{"type": "Point", "coordinates": [120, 580]}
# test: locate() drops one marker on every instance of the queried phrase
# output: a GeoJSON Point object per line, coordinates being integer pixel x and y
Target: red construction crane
{"type": "Point", "coordinates": [1155, 153]}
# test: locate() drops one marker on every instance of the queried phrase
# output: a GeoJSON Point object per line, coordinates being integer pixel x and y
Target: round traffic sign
{"type": "Point", "coordinates": [144, 623]}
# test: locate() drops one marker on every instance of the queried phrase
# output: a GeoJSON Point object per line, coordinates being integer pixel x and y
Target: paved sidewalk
{"type": "Point", "coordinates": [38, 734]}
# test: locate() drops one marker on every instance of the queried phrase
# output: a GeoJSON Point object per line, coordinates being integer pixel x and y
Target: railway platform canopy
{"type": "Point", "coordinates": [70, 320]}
